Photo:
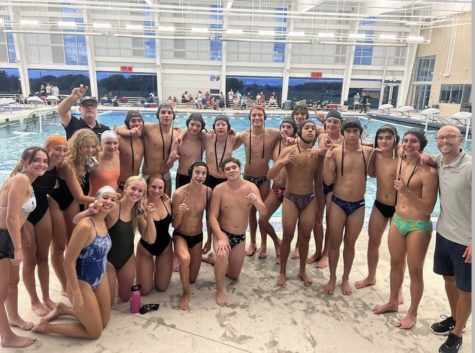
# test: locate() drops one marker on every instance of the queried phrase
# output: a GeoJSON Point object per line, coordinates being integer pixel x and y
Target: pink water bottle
{"type": "Point", "coordinates": [135, 298]}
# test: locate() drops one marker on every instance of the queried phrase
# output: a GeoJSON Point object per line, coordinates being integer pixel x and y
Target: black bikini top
{"type": "Point", "coordinates": [162, 225]}
{"type": "Point", "coordinates": [408, 180]}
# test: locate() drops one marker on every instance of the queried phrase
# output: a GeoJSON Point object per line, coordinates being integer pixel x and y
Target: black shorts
{"type": "Point", "coordinates": [6, 245]}
{"type": "Point", "coordinates": [448, 261]}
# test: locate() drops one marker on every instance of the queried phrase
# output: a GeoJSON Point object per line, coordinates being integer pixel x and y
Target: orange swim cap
{"type": "Point", "coordinates": [55, 140]}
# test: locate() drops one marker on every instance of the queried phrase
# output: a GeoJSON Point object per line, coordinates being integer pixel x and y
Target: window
{"type": "Point", "coordinates": [455, 94]}
{"type": "Point", "coordinates": [425, 68]}
{"type": "Point", "coordinates": [364, 53]}
{"type": "Point", "coordinates": [216, 43]}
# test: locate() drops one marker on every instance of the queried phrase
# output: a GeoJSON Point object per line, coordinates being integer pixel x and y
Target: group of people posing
{"type": "Point", "coordinates": [87, 196]}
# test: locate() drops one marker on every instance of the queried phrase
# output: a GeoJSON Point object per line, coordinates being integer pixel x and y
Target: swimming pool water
{"type": "Point", "coordinates": [16, 136]}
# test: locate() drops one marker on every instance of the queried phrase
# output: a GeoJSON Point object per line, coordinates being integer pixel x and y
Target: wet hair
{"type": "Point", "coordinates": [196, 117]}
{"type": "Point", "coordinates": [387, 128]}
{"type": "Point", "coordinates": [75, 157]}
{"type": "Point", "coordinates": [152, 177]}
{"type": "Point", "coordinates": [139, 206]}
{"type": "Point", "coordinates": [419, 134]}
{"type": "Point", "coordinates": [231, 160]}
{"type": "Point", "coordinates": [351, 124]}
{"type": "Point", "coordinates": [54, 140]}
{"type": "Point", "coordinates": [108, 135]}
{"type": "Point", "coordinates": [132, 114]}
{"type": "Point", "coordinates": [300, 129]}
{"type": "Point", "coordinates": [290, 121]}
{"type": "Point", "coordinates": [197, 164]}
{"type": "Point", "coordinates": [164, 105]}
{"type": "Point", "coordinates": [105, 189]}
{"type": "Point", "coordinates": [27, 157]}
{"type": "Point", "coordinates": [223, 118]}
{"type": "Point", "coordinates": [257, 107]}
{"type": "Point", "coordinates": [300, 107]}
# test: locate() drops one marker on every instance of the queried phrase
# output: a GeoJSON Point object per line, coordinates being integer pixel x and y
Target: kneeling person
{"type": "Point", "coordinates": [229, 216]}
{"type": "Point", "coordinates": [189, 202]}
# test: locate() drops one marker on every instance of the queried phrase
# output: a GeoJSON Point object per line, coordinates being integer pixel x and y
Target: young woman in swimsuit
{"type": "Point", "coordinates": [37, 235]}
{"type": "Point", "coordinates": [154, 260]}
{"type": "Point", "coordinates": [61, 205]}
{"type": "Point", "coordinates": [85, 264]}
{"type": "Point", "coordinates": [122, 222]}
{"type": "Point", "coordinates": [107, 172]}
{"type": "Point", "coordinates": [411, 227]}
{"type": "Point", "coordinates": [17, 200]}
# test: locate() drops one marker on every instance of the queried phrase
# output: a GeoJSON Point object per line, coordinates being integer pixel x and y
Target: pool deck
{"type": "Point", "coordinates": [265, 318]}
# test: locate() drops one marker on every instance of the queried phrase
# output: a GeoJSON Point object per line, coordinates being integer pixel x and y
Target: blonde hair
{"type": "Point", "coordinates": [77, 159]}
{"type": "Point", "coordinates": [142, 202]}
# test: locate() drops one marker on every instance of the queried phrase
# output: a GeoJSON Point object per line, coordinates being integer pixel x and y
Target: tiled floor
{"type": "Point", "coordinates": [265, 318]}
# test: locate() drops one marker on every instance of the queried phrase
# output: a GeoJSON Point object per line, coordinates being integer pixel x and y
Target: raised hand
{"type": "Point", "coordinates": [400, 185]}
{"type": "Point", "coordinates": [79, 92]}
{"type": "Point", "coordinates": [183, 208]}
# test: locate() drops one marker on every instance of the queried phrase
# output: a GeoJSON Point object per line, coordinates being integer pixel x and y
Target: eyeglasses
{"type": "Point", "coordinates": [450, 137]}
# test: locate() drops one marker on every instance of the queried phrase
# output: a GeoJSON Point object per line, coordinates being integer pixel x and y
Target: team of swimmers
{"type": "Point", "coordinates": [89, 195]}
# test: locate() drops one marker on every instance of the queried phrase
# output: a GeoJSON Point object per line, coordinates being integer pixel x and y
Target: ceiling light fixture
{"type": "Point", "coordinates": [234, 31]}
{"type": "Point", "coordinates": [357, 35]}
{"type": "Point", "coordinates": [67, 24]}
{"type": "Point", "coordinates": [266, 33]}
{"type": "Point", "coordinates": [326, 35]}
{"type": "Point", "coordinates": [29, 22]}
{"type": "Point", "coordinates": [104, 25]}
{"type": "Point", "coordinates": [415, 39]}
{"type": "Point", "coordinates": [296, 34]}
{"type": "Point", "coordinates": [387, 36]}
{"type": "Point", "coordinates": [166, 28]}
{"type": "Point", "coordinates": [199, 30]}
{"type": "Point", "coordinates": [134, 27]}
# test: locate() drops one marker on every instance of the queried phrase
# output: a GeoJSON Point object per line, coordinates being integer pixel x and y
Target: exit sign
{"type": "Point", "coordinates": [126, 68]}
{"type": "Point", "coordinates": [316, 74]}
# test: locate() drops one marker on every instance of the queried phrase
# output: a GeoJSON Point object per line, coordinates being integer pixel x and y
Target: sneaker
{"type": "Point", "coordinates": [451, 345]}
{"type": "Point", "coordinates": [443, 327]}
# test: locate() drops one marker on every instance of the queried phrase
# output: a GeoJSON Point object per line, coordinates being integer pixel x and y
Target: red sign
{"type": "Point", "coordinates": [316, 74]}
{"type": "Point", "coordinates": [126, 68]}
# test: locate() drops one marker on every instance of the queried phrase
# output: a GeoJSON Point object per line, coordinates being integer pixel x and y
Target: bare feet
{"type": "Point", "coordinates": [21, 324]}
{"type": "Point", "coordinates": [40, 309]}
{"type": "Point", "coordinates": [407, 322]}
{"type": "Point", "coordinates": [277, 245]}
{"type": "Point", "coordinates": [365, 283]}
{"type": "Point", "coordinates": [296, 254]}
{"type": "Point", "coordinates": [385, 308]}
{"type": "Point", "coordinates": [346, 288]}
{"type": "Point", "coordinates": [251, 250]}
{"type": "Point", "coordinates": [176, 264]}
{"type": "Point", "coordinates": [208, 258]}
{"type": "Point", "coordinates": [184, 301]}
{"type": "Point", "coordinates": [322, 263]}
{"type": "Point", "coordinates": [17, 341]}
{"type": "Point", "coordinates": [330, 286]}
{"type": "Point", "coordinates": [40, 326]}
{"type": "Point", "coordinates": [282, 280]}
{"type": "Point", "coordinates": [315, 257]}
{"type": "Point", "coordinates": [49, 303]}
{"type": "Point", "coordinates": [262, 253]}
{"type": "Point", "coordinates": [221, 299]}
{"type": "Point", "coordinates": [306, 280]}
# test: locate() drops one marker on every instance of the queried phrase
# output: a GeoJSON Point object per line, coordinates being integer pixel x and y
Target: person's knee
{"type": "Point", "coordinates": [416, 272]}
{"type": "Point", "coordinates": [221, 260]}
{"type": "Point", "coordinates": [263, 220]}
{"type": "Point", "coordinates": [42, 259]}
{"type": "Point", "coordinates": [184, 259]}
{"type": "Point", "coordinates": [94, 332]}
{"type": "Point", "coordinates": [397, 263]}
{"type": "Point", "coordinates": [3, 293]}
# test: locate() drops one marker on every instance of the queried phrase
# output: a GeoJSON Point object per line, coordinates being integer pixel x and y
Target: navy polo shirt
{"type": "Point", "coordinates": [76, 124]}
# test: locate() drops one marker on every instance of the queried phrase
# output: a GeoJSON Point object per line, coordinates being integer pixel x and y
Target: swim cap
{"type": "Point", "coordinates": [387, 128]}
{"type": "Point", "coordinates": [334, 114]}
{"type": "Point", "coordinates": [291, 122]}
{"type": "Point", "coordinates": [420, 136]}
{"type": "Point", "coordinates": [109, 135]}
{"type": "Point", "coordinates": [55, 140]}
{"type": "Point", "coordinates": [350, 124]}
{"type": "Point", "coordinates": [223, 118]}
{"type": "Point", "coordinates": [132, 114]}
{"type": "Point", "coordinates": [196, 117]}
{"type": "Point", "coordinates": [302, 125]}
{"type": "Point", "coordinates": [104, 190]}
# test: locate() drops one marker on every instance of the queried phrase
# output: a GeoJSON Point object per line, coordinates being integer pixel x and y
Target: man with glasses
{"type": "Point", "coordinates": [453, 249]}
{"type": "Point", "coordinates": [88, 109]}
